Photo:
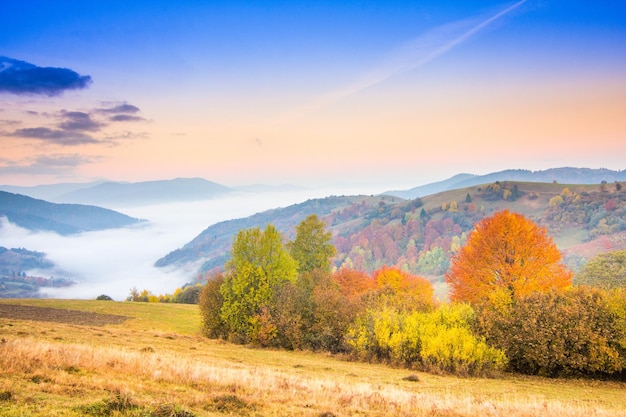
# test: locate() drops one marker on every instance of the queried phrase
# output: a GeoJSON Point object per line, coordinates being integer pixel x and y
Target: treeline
{"type": "Point", "coordinates": [188, 294]}
{"type": "Point", "coordinates": [513, 305]}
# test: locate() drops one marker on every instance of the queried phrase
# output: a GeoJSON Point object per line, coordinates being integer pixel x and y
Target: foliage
{"type": "Point", "coordinates": [506, 251]}
{"type": "Point", "coordinates": [576, 332]}
{"type": "Point", "coordinates": [259, 265]}
{"type": "Point", "coordinates": [190, 294]}
{"type": "Point", "coordinates": [211, 302]}
{"type": "Point", "coordinates": [441, 340]}
{"type": "Point", "coordinates": [104, 297]}
{"type": "Point", "coordinates": [607, 270]}
{"type": "Point", "coordinates": [312, 247]}
{"type": "Point", "coordinates": [402, 290]}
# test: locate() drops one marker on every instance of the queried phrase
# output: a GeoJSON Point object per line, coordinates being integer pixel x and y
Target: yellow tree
{"type": "Point", "coordinates": [506, 253]}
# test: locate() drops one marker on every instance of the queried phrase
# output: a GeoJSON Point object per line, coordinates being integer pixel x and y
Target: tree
{"type": "Point", "coordinates": [211, 302]}
{"type": "Point", "coordinates": [259, 265]}
{"type": "Point", "coordinates": [506, 252]}
{"type": "Point", "coordinates": [404, 291]}
{"type": "Point", "coordinates": [312, 247]}
{"type": "Point", "coordinates": [607, 270]}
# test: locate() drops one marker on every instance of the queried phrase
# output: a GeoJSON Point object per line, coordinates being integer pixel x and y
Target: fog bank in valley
{"type": "Point", "coordinates": [114, 261]}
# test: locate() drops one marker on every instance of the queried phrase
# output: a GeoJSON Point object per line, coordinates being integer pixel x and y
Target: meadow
{"type": "Point", "coordinates": [156, 363]}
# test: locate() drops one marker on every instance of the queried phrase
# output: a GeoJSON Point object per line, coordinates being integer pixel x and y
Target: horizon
{"type": "Point", "coordinates": [397, 95]}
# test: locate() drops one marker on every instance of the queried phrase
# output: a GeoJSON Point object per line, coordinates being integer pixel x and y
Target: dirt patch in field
{"type": "Point", "coordinates": [58, 315]}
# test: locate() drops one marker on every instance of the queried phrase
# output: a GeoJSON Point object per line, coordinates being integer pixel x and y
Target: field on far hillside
{"type": "Point", "coordinates": [146, 359]}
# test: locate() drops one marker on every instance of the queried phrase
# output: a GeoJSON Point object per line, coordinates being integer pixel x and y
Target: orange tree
{"type": "Point", "coordinates": [506, 253]}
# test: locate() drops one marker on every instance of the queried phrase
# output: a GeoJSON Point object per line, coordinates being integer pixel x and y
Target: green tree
{"type": "Point", "coordinates": [312, 247]}
{"type": "Point", "coordinates": [258, 267]}
{"type": "Point", "coordinates": [607, 270]}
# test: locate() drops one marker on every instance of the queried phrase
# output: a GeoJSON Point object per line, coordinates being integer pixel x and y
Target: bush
{"type": "Point", "coordinates": [189, 295]}
{"type": "Point", "coordinates": [441, 340]}
{"type": "Point", "coordinates": [210, 302]}
{"type": "Point", "coordinates": [104, 297]}
{"type": "Point", "coordinates": [559, 334]}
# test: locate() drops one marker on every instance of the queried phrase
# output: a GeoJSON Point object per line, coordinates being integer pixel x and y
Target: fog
{"type": "Point", "coordinates": [113, 261]}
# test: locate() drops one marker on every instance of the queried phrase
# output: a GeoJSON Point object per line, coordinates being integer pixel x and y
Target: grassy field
{"type": "Point", "coordinates": [156, 364]}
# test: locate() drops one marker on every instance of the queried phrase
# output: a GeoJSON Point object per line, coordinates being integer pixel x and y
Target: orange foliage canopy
{"type": "Point", "coordinates": [411, 291]}
{"type": "Point", "coordinates": [506, 252]}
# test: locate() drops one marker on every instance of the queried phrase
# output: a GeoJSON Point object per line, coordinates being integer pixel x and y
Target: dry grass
{"type": "Point", "coordinates": [50, 369]}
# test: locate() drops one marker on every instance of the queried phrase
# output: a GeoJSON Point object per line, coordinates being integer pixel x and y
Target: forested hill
{"type": "Point", "coordinates": [421, 235]}
{"type": "Point", "coordinates": [64, 219]}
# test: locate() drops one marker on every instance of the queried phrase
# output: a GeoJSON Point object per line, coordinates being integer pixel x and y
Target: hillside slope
{"type": "Point", "coordinates": [421, 235]}
{"type": "Point", "coordinates": [39, 215]}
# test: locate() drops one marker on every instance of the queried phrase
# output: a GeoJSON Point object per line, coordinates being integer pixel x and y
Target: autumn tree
{"type": "Point", "coordinates": [403, 290]}
{"type": "Point", "coordinates": [259, 265]}
{"type": "Point", "coordinates": [506, 252]}
{"type": "Point", "coordinates": [312, 247]}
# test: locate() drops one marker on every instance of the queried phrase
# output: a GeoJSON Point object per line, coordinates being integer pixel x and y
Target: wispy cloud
{"type": "Point", "coordinates": [413, 55]}
{"type": "Point", "coordinates": [55, 136]}
{"type": "Point", "coordinates": [24, 78]}
{"type": "Point", "coordinates": [46, 164]}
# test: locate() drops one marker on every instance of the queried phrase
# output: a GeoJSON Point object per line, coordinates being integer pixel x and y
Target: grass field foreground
{"type": "Point", "coordinates": [156, 364]}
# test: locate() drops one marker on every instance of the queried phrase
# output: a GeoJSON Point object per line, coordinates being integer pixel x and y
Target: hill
{"type": "Point", "coordinates": [421, 235]}
{"type": "Point", "coordinates": [64, 219]}
{"type": "Point", "coordinates": [563, 175]}
{"type": "Point", "coordinates": [211, 246]}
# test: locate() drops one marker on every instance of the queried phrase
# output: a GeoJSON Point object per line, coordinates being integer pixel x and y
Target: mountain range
{"type": "Point", "coordinates": [563, 175]}
{"type": "Point", "coordinates": [126, 194]}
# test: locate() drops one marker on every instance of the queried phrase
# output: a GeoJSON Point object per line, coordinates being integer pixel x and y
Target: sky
{"type": "Point", "coordinates": [394, 93]}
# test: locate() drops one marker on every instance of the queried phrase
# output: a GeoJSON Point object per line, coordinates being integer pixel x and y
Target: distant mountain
{"type": "Point", "coordinates": [48, 192]}
{"type": "Point", "coordinates": [432, 188]}
{"type": "Point", "coordinates": [560, 175]}
{"type": "Point", "coordinates": [34, 214]}
{"type": "Point", "coordinates": [420, 235]}
{"type": "Point", "coordinates": [148, 192]}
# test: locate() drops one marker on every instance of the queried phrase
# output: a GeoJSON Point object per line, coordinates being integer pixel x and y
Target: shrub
{"type": "Point", "coordinates": [558, 334]}
{"type": "Point", "coordinates": [441, 340]}
{"type": "Point", "coordinates": [104, 297]}
{"type": "Point", "coordinates": [210, 302]}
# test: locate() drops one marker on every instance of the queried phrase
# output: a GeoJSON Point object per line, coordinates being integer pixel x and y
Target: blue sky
{"type": "Point", "coordinates": [314, 92]}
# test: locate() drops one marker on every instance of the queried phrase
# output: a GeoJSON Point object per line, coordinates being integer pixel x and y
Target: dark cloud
{"type": "Point", "coordinates": [126, 118]}
{"type": "Point", "coordinates": [121, 108]}
{"type": "Point", "coordinates": [59, 137]}
{"type": "Point", "coordinates": [20, 77]}
{"type": "Point", "coordinates": [77, 120]}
